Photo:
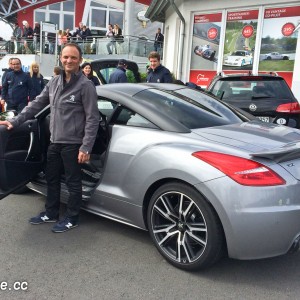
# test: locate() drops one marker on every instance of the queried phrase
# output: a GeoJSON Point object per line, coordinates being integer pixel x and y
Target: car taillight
{"type": "Point", "coordinates": [243, 171]}
{"type": "Point", "coordinates": [293, 108]}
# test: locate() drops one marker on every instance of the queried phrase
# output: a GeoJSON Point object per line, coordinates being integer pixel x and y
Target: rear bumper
{"type": "Point", "coordinates": [258, 222]}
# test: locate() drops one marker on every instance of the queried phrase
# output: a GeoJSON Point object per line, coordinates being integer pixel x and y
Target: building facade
{"type": "Point", "coordinates": [203, 38]}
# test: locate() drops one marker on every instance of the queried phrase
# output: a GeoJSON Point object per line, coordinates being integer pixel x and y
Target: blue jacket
{"type": "Point", "coordinates": [118, 76]}
{"type": "Point", "coordinates": [37, 86]}
{"type": "Point", "coordinates": [5, 74]}
{"type": "Point", "coordinates": [16, 87]}
{"type": "Point", "coordinates": [159, 75]}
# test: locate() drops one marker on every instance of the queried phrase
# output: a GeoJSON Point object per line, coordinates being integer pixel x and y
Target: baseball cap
{"type": "Point", "coordinates": [122, 62]}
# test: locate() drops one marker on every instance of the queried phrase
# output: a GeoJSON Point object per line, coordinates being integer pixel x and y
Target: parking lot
{"type": "Point", "coordinates": [102, 259]}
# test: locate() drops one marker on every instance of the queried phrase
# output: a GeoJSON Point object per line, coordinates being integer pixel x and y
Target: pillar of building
{"type": "Point", "coordinates": [128, 17]}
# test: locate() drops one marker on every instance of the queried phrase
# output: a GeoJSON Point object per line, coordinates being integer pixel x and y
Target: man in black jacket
{"type": "Point", "coordinates": [16, 87]}
{"type": "Point", "coordinates": [159, 40]}
{"type": "Point", "coordinates": [157, 72]}
{"type": "Point", "coordinates": [119, 75]}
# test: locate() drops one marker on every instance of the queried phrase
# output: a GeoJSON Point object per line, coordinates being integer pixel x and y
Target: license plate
{"type": "Point", "coordinates": [264, 119]}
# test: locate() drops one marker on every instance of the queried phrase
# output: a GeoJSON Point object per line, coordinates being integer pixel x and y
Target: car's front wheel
{"type": "Point", "coordinates": [184, 227]}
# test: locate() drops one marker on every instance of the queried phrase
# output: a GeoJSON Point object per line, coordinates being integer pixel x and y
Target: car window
{"type": "Point", "coordinates": [106, 106]}
{"type": "Point", "coordinates": [254, 89]}
{"type": "Point", "coordinates": [131, 118]}
{"type": "Point", "coordinates": [108, 71]}
{"type": "Point", "coordinates": [191, 108]}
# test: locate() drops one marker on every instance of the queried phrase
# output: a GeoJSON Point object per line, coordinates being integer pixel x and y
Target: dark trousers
{"type": "Point", "coordinates": [17, 107]}
{"type": "Point", "coordinates": [65, 156]}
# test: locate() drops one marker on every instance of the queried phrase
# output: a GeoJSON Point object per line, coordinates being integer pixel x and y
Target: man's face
{"type": "Point", "coordinates": [70, 59]}
{"type": "Point", "coordinates": [158, 30]}
{"type": "Point", "coordinates": [16, 65]}
{"type": "Point", "coordinates": [80, 25]}
{"type": "Point", "coordinates": [10, 64]}
{"type": "Point", "coordinates": [154, 63]}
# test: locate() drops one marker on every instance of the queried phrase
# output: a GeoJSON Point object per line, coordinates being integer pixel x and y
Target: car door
{"type": "Point", "coordinates": [21, 156]}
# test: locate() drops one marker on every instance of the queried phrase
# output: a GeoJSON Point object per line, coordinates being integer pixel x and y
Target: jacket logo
{"type": "Point", "coordinates": [72, 99]}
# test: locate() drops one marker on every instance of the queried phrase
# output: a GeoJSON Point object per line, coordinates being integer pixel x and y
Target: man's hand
{"type": "Point", "coordinates": [7, 124]}
{"type": "Point", "coordinates": [2, 101]}
{"type": "Point", "coordinates": [83, 157]}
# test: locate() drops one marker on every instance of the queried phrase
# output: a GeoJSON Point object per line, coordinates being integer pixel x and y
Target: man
{"type": "Point", "coordinates": [28, 35]}
{"type": "Point", "coordinates": [16, 37]}
{"type": "Point", "coordinates": [74, 120]}
{"type": "Point", "coordinates": [111, 45]}
{"type": "Point", "coordinates": [76, 34]}
{"type": "Point", "coordinates": [36, 36]}
{"type": "Point", "coordinates": [16, 87]}
{"type": "Point", "coordinates": [119, 75]}
{"type": "Point", "coordinates": [157, 72]}
{"type": "Point", "coordinates": [159, 40]}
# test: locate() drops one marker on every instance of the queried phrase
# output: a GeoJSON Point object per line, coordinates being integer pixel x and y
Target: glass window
{"type": "Point", "coordinates": [191, 108]}
{"type": "Point", "coordinates": [39, 16]}
{"type": "Point", "coordinates": [93, 3]}
{"type": "Point", "coordinates": [54, 18]}
{"type": "Point", "coordinates": [116, 17]}
{"type": "Point", "coordinates": [68, 22]}
{"type": "Point", "coordinates": [55, 6]}
{"type": "Point", "coordinates": [68, 5]}
{"type": "Point", "coordinates": [98, 18]}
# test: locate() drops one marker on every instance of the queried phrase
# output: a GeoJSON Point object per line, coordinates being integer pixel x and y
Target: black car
{"type": "Point", "coordinates": [266, 96]}
{"type": "Point", "coordinates": [104, 67]}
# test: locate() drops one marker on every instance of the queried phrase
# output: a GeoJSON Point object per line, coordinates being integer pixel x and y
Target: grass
{"type": "Point", "coordinates": [276, 65]}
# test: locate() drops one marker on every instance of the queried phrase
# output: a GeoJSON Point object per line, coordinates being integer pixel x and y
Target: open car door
{"type": "Point", "coordinates": [21, 156]}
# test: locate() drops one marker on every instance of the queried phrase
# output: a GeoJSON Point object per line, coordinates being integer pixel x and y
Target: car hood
{"type": "Point", "coordinates": [234, 57]}
{"type": "Point", "coordinates": [256, 138]}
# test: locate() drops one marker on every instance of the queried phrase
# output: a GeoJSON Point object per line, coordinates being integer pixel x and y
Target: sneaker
{"type": "Point", "coordinates": [65, 225]}
{"type": "Point", "coordinates": [42, 218]}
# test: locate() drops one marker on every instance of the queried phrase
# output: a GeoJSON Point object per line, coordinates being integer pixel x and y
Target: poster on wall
{"type": "Point", "coordinates": [239, 44]}
{"type": "Point", "coordinates": [279, 39]}
{"type": "Point", "coordinates": [205, 47]}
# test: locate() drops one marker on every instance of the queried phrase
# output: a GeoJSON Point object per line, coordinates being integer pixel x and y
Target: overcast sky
{"type": "Point", "coordinates": [5, 30]}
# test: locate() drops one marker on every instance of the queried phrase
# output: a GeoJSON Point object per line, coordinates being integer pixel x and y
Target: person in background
{"type": "Point", "coordinates": [56, 71]}
{"type": "Point", "coordinates": [73, 101]}
{"type": "Point", "coordinates": [17, 87]}
{"type": "Point", "coordinates": [119, 75]}
{"type": "Point", "coordinates": [157, 72]}
{"type": "Point", "coordinates": [61, 39]}
{"type": "Point", "coordinates": [16, 37]}
{"type": "Point", "coordinates": [111, 45]}
{"type": "Point", "coordinates": [87, 70]}
{"type": "Point", "coordinates": [68, 34]}
{"type": "Point", "coordinates": [36, 36]}
{"type": "Point", "coordinates": [9, 69]}
{"type": "Point", "coordinates": [37, 80]}
{"type": "Point", "coordinates": [27, 35]}
{"type": "Point", "coordinates": [118, 36]}
{"type": "Point", "coordinates": [85, 33]}
{"type": "Point", "coordinates": [159, 40]}
{"type": "Point", "coordinates": [76, 34]}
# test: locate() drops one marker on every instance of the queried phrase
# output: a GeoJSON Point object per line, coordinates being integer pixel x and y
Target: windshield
{"type": "Point", "coordinates": [191, 108]}
{"type": "Point", "coordinates": [255, 89]}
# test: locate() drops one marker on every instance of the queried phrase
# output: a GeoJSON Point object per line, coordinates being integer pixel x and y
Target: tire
{"type": "Point", "coordinates": [184, 227]}
{"type": "Point", "coordinates": [285, 58]}
{"type": "Point", "coordinates": [269, 58]}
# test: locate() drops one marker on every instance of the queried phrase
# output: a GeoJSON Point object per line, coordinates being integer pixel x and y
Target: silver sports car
{"type": "Point", "coordinates": [199, 175]}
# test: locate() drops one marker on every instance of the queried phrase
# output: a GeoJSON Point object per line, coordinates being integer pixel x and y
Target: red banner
{"type": "Point", "coordinates": [242, 15]}
{"type": "Point", "coordinates": [202, 77]}
{"type": "Point", "coordinates": [282, 12]}
{"type": "Point", "coordinates": [208, 18]}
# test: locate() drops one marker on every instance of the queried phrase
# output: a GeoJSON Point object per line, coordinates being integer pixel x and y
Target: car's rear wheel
{"type": "Point", "coordinates": [269, 58]}
{"type": "Point", "coordinates": [242, 63]}
{"type": "Point", "coordinates": [184, 227]}
{"type": "Point", "coordinates": [285, 58]}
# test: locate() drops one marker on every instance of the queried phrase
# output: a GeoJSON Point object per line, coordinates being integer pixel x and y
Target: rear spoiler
{"type": "Point", "coordinates": [286, 153]}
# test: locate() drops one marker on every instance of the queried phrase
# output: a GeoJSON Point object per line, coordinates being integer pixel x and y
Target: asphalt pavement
{"type": "Point", "coordinates": [102, 259]}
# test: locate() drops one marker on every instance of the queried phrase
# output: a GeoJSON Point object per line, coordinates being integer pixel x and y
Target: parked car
{"type": "Point", "coordinates": [276, 55]}
{"type": "Point", "coordinates": [238, 58]}
{"type": "Point", "coordinates": [192, 170]}
{"type": "Point", "coordinates": [205, 52]}
{"type": "Point", "coordinates": [266, 96]}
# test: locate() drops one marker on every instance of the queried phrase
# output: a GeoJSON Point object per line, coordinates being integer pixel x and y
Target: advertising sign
{"type": "Point", "coordinates": [279, 39]}
{"type": "Point", "coordinates": [205, 47]}
{"type": "Point", "coordinates": [240, 38]}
